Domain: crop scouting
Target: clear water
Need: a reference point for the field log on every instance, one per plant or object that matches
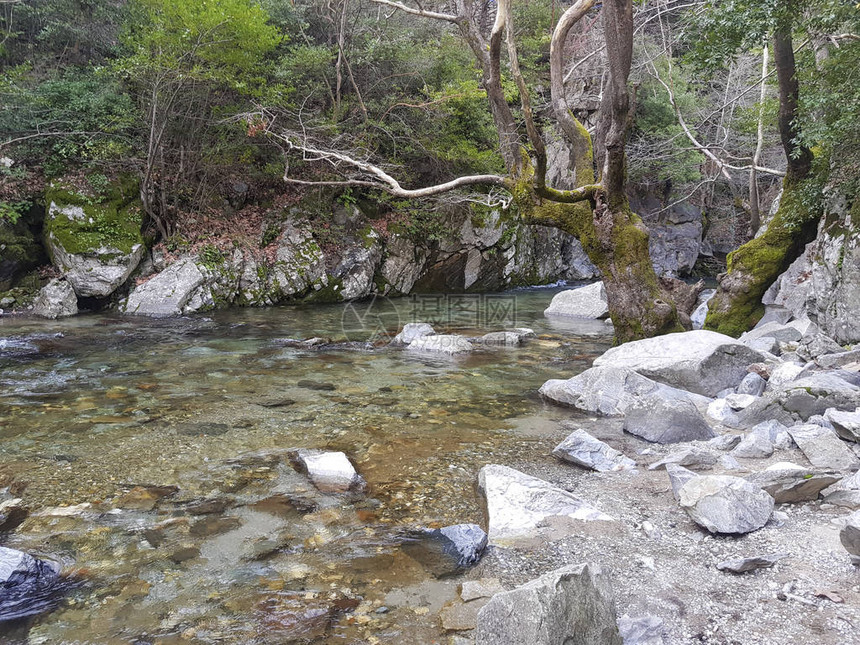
(94, 406)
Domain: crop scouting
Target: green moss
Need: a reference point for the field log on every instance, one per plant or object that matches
(113, 220)
(327, 294)
(754, 266)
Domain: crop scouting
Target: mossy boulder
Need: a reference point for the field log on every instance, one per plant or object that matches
(95, 242)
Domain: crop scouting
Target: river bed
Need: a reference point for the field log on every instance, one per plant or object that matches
(232, 544)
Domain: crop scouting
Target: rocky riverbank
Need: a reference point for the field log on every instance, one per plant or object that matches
(701, 489)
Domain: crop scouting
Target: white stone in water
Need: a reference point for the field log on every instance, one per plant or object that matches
(441, 344)
(413, 331)
(585, 302)
(523, 507)
(330, 472)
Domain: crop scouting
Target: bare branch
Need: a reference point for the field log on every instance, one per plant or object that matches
(420, 12)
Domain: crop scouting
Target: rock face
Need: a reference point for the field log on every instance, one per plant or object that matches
(95, 243)
(700, 361)
(823, 284)
(28, 584)
(56, 299)
(574, 604)
(725, 504)
(582, 449)
(823, 448)
(330, 472)
(523, 507)
(584, 302)
(610, 391)
(441, 344)
(448, 550)
(788, 483)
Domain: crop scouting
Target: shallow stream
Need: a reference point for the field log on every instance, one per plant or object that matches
(151, 456)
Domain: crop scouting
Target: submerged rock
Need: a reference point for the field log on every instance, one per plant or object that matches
(28, 585)
(703, 362)
(726, 504)
(56, 299)
(523, 507)
(585, 302)
(441, 344)
(582, 449)
(330, 472)
(574, 604)
(502, 339)
(448, 550)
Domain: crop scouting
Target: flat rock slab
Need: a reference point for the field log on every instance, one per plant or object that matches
(521, 507)
(585, 302)
(743, 565)
(441, 344)
(574, 604)
(823, 447)
(726, 504)
(788, 483)
(846, 424)
(611, 391)
(700, 361)
(582, 449)
(330, 472)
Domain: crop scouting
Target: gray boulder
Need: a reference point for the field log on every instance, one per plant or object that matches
(582, 449)
(691, 457)
(754, 445)
(752, 384)
(28, 584)
(523, 507)
(720, 411)
(171, 292)
(413, 331)
(678, 476)
(56, 299)
(803, 398)
(788, 483)
(839, 359)
(726, 504)
(846, 424)
(823, 448)
(611, 391)
(725, 442)
(776, 433)
(849, 535)
(441, 344)
(666, 416)
(501, 339)
(574, 604)
(585, 302)
(700, 361)
(783, 373)
(448, 550)
(780, 333)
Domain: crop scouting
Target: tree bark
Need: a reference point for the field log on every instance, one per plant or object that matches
(753, 267)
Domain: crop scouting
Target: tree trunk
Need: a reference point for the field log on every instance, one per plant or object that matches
(752, 268)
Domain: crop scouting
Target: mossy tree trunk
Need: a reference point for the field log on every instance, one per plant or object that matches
(755, 266)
